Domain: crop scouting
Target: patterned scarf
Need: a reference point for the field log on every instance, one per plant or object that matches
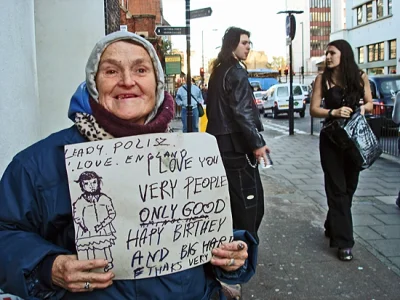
(103, 125)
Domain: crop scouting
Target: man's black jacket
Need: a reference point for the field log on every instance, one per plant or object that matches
(230, 105)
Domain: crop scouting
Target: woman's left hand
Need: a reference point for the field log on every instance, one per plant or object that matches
(230, 256)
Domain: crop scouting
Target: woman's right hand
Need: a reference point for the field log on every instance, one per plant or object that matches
(73, 275)
(343, 112)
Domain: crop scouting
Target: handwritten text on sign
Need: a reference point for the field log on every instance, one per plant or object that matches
(151, 204)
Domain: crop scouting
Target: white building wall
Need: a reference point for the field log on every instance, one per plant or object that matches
(19, 104)
(45, 46)
(378, 30)
(66, 32)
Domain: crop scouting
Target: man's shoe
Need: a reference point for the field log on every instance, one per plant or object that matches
(345, 254)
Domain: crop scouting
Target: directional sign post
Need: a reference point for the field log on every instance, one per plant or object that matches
(167, 30)
(199, 13)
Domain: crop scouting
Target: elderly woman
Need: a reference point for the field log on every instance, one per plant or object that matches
(123, 96)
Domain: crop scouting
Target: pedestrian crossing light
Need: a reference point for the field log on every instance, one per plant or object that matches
(286, 71)
(202, 72)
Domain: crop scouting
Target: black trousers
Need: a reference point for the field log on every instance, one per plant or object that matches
(341, 180)
(245, 191)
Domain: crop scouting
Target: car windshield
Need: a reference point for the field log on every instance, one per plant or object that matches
(389, 87)
(259, 95)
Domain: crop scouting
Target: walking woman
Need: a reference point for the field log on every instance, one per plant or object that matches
(341, 85)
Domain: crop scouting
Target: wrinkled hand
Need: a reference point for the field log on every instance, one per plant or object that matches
(230, 256)
(261, 153)
(71, 274)
(343, 112)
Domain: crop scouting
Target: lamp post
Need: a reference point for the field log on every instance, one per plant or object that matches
(202, 51)
(302, 51)
(290, 33)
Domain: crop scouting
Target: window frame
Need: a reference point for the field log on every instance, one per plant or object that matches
(359, 13)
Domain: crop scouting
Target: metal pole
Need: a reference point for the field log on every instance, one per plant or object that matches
(202, 49)
(302, 49)
(189, 111)
(291, 108)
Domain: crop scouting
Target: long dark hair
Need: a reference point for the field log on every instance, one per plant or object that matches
(230, 42)
(348, 76)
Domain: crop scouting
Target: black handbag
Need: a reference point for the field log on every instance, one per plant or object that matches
(364, 140)
(199, 105)
(356, 137)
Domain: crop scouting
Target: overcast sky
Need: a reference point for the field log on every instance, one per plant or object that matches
(257, 16)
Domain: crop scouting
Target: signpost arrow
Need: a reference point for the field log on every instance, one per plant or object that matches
(199, 13)
(167, 30)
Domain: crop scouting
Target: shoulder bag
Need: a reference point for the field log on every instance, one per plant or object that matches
(199, 105)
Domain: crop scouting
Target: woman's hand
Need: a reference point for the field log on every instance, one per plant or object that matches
(74, 275)
(231, 256)
(343, 112)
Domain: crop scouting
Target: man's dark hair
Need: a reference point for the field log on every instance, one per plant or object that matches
(348, 72)
(230, 41)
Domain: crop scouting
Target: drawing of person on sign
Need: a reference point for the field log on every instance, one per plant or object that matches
(94, 212)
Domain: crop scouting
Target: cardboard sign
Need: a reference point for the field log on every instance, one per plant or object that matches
(151, 205)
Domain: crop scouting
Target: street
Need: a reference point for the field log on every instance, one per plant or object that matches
(281, 123)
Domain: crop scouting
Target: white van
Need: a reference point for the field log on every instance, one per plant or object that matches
(276, 100)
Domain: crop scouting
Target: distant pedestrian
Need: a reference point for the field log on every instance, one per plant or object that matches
(234, 119)
(181, 100)
(342, 85)
(396, 119)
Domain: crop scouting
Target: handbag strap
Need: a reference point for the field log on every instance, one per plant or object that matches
(191, 95)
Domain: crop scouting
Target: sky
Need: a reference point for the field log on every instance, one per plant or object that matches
(260, 17)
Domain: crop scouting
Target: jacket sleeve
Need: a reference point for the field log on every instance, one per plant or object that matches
(241, 103)
(396, 109)
(23, 251)
(243, 274)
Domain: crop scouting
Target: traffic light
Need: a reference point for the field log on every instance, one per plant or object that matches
(202, 72)
(286, 71)
(302, 70)
(280, 72)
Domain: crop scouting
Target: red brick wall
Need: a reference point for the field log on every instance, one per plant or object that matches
(146, 7)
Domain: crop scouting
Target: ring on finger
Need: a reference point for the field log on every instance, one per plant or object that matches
(231, 262)
(87, 285)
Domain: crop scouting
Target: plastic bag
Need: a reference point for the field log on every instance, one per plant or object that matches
(365, 141)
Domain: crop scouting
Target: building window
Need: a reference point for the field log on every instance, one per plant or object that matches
(359, 15)
(379, 9)
(361, 55)
(389, 7)
(392, 49)
(375, 71)
(376, 52)
(369, 11)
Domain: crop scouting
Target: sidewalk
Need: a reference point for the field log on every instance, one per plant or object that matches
(295, 261)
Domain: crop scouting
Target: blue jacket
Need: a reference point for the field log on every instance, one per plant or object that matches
(36, 225)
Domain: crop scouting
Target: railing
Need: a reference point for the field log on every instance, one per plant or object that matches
(381, 124)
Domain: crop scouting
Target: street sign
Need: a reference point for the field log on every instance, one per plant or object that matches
(172, 64)
(168, 30)
(199, 13)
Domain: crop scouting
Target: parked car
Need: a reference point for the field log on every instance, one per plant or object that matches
(259, 100)
(384, 88)
(277, 100)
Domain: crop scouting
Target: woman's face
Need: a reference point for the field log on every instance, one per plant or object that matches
(126, 81)
(243, 48)
(332, 57)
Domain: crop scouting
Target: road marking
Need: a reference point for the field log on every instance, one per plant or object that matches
(282, 129)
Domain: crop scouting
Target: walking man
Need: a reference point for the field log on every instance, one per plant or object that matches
(233, 118)
(181, 100)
